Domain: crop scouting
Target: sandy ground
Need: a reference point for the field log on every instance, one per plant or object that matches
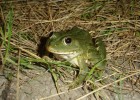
(40, 86)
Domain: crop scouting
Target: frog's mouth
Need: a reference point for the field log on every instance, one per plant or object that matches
(69, 56)
(61, 53)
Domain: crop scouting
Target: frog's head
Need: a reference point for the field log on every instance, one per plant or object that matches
(68, 42)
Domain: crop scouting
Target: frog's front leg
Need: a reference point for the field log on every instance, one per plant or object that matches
(83, 71)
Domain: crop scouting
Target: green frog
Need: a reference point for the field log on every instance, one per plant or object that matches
(77, 47)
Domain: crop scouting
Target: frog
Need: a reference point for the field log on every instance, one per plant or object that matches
(77, 46)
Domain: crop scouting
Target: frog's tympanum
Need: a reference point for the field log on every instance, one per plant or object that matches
(77, 47)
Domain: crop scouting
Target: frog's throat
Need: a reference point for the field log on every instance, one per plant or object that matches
(72, 58)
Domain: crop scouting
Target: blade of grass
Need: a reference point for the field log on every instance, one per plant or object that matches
(9, 33)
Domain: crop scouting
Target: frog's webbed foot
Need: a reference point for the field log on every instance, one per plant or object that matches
(83, 72)
(80, 78)
(78, 81)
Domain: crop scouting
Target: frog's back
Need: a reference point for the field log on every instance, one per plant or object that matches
(93, 52)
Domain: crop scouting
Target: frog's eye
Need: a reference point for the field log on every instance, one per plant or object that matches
(67, 40)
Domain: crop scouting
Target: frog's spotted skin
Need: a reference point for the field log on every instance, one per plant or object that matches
(77, 47)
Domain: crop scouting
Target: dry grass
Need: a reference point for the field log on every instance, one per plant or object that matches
(117, 21)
